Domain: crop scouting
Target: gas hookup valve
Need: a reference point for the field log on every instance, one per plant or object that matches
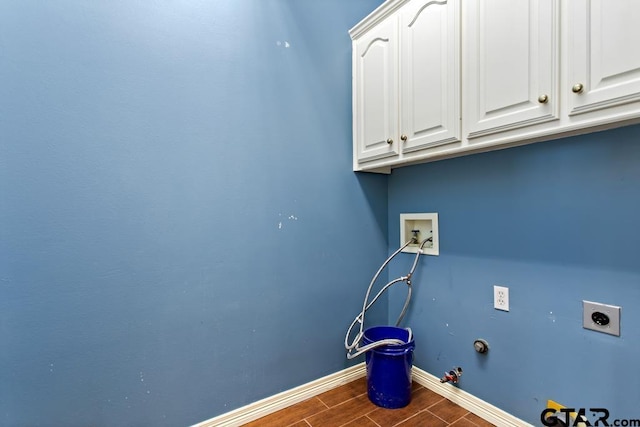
(452, 376)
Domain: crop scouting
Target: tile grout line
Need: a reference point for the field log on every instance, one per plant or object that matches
(458, 419)
(321, 401)
(413, 416)
(435, 403)
(370, 419)
(326, 408)
(313, 415)
(475, 424)
(445, 421)
(425, 409)
(367, 416)
(345, 401)
(339, 403)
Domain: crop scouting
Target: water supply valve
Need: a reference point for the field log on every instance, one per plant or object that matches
(452, 376)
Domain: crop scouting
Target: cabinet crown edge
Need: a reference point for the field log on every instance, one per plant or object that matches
(379, 14)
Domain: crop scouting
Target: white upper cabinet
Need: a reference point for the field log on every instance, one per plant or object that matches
(523, 71)
(510, 64)
(429, 74)
(603, 53)
(375, 95)
(406, 86)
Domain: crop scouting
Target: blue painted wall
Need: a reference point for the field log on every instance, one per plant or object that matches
(180, 231)
(555, 222)
(161, 166)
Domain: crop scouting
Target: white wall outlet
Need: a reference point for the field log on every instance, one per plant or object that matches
(424, 226)
(501, 298)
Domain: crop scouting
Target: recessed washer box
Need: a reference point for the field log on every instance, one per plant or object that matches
(424, 226)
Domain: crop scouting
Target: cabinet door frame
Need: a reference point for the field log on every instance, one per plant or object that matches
(376, 120)
(439, 45)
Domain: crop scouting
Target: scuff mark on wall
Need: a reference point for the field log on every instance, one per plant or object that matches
(290, 218)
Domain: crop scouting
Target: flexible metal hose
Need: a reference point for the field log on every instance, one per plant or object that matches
(353, 348)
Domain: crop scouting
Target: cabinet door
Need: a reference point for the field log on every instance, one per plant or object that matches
(429, 73)
(604, 57)
(510, 64)
(376, 92)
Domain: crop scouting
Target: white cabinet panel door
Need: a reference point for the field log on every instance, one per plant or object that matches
(429, 74)
(604, 54)
(376, 93)
(510, 64)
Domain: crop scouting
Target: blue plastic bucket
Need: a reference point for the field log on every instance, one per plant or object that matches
(389, 367)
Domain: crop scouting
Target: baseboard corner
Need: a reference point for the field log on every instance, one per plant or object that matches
(269, 405)
(468, 401)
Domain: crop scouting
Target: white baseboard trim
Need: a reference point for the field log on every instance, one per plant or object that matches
(468, 401)
(298, 394)
(285, 399)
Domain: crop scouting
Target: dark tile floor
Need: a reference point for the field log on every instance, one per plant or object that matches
(349, 406)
